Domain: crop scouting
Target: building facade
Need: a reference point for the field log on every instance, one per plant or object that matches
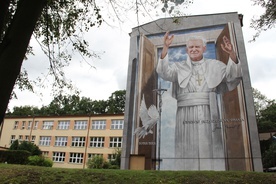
(68, 140)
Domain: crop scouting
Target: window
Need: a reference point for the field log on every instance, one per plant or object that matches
(78, 141)
(27, 138)
(20, 138)
(58, 156)
(12, 139)
(96, 142)
(80, 125)
(23, 125)
(99, 125)
(115, 142)
(45, 153)
(29, 125)
(35, 125)
(117, 124)
(15, 125)
(47, 125)
(45, 141)
(91, 155)
(76, 158)
(33, 139)
(111, 157)
(63, 125)
(61, 141)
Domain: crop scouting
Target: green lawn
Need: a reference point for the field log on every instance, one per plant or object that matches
(12, 174)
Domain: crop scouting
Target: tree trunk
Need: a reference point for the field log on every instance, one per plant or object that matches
(14, 46)
(4, 5)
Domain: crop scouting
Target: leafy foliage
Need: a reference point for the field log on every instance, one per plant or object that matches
(265, 111)
(116, 161)
(97, 162)
(269, 156)
(260, 102)
(40, 161)
(14, 156)
(116, 102)
(27, 146)
(75, 105)
(267, 19)
(267, 122)
(59, 27)
(62, 25)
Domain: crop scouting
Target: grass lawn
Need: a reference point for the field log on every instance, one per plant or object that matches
(12, 174)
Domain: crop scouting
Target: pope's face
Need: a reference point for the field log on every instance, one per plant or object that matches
(195, 49)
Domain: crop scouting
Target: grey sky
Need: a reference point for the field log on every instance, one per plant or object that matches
(111, 70)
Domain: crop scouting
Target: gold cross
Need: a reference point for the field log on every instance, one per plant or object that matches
(199, 79)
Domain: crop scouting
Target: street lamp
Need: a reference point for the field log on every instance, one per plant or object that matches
(159, 93)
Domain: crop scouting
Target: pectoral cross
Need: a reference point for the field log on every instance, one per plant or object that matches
(199, 79)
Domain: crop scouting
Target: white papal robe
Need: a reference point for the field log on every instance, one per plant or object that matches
(198, 143)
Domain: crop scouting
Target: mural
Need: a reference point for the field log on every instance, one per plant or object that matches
(186, 105)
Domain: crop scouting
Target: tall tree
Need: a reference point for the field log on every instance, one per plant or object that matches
(14, 44)
(56, 24)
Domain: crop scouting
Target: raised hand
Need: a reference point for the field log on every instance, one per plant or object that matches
(228, 48)
(168, 39)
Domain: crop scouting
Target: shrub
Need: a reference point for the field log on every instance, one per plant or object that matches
(39, 161)
(25, 145)
(14, 156)
(97, 162)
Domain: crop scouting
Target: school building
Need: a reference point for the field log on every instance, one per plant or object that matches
(68, 140)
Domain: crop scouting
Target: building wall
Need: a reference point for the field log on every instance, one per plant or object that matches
(57, 142)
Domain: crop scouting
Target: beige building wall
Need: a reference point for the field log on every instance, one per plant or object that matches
(46, 132)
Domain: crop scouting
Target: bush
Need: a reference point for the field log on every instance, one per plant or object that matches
(40, 161)
(97, 162)
(14, 156)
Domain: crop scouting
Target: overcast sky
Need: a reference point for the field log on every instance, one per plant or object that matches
(112, 43)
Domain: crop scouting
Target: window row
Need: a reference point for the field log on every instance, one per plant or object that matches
(22, 138)
(78, 125)
(96, 142)
(76, 158)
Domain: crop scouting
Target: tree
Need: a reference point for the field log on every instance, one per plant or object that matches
(269, 156)
(27, 146)
(267, 19)
(116, 102)
(267, 122)
(14, 145)
(55, 24)
(75, 105)
(15, 38)
(24, 111)
(265, 110)
(260, 102)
